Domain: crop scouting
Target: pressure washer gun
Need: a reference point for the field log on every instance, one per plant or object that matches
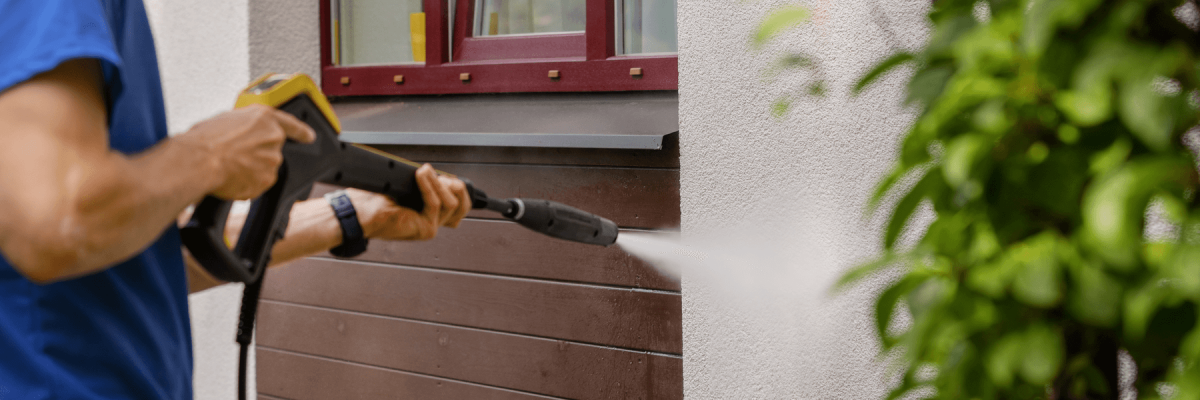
(330, 160)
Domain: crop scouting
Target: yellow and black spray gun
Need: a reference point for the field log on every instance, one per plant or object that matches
(330, 160)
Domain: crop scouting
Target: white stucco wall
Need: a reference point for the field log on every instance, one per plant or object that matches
(798, 184)
(204, 60)
(285, 37)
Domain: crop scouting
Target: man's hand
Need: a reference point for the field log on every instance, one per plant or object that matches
(446, 203)
(245, 147)
(313, 228)
(79, 206)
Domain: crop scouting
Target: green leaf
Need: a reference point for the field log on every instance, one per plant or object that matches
(1089, 101)
(928, 295)
(962, 155)
(884, 187)
(1191, 344)
(1114, 208)
(885, 307)
(1068, 134)
(1096, 297)
(948, 31)
(1139, 306)
(992, 279)
(778, 21)
(984, 243)
(1038, 280)
(991, 118)
(1003, 359)
(1146, 112)
(1184, 268)
(927, 85)
(856, 274)
(1043, 354)
(1108, 160)
(906, 206)
(1086, 108)
(882, 68)
(1045, 17)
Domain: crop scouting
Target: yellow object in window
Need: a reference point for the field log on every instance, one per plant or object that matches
(416, 24)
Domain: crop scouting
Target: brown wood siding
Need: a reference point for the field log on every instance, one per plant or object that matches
(609, 316)
(500, 247)
(320, 378)
(490, 310)
(531, 364)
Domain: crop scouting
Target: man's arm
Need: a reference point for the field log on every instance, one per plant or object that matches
(73, 206)
(313, 228)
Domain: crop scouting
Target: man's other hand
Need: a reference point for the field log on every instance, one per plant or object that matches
(246, 146)
(446, 203)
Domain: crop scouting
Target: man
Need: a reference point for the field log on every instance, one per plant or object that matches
(93, 283)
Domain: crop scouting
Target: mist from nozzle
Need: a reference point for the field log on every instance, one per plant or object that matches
(770, 296)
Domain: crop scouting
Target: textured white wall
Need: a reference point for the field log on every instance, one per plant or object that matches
(801, 182)
(285, 37)
(203, 57)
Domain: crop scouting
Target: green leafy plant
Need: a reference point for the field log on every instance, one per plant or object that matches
(1045, 132)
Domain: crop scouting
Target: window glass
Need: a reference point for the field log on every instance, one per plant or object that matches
(379, 31)
(516, 17)
(646, 26)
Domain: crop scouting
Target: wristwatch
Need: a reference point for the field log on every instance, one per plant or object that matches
(353, 242)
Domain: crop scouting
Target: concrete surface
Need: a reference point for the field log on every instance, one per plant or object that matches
(799, 183)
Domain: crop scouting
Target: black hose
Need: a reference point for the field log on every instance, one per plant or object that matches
(245, 333)
(244, 352)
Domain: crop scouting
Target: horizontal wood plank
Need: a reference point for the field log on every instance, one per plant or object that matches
(668, 157)
(591, 314)
(505, 248)
(630, 197)
(302, 377)
(545, 366)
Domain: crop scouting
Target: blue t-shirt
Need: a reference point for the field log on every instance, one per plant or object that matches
(122, 333)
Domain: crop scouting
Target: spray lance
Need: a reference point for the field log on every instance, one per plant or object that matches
(330, 160)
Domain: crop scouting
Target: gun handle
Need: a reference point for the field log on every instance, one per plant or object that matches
(370, 170)
(204, 235)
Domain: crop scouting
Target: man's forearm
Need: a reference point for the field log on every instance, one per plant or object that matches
(312, 228)
(115, 206)
(79, 206)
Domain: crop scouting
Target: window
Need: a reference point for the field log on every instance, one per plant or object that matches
(396, 47)
(646, 26)
(379, 32)
(504, 17)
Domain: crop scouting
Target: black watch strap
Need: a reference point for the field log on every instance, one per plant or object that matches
(353, 241)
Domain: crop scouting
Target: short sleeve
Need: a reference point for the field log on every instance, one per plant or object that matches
(38, 35)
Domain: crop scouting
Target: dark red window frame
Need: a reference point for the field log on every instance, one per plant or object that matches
(585, 62)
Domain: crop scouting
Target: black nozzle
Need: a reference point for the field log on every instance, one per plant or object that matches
(559, 220)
